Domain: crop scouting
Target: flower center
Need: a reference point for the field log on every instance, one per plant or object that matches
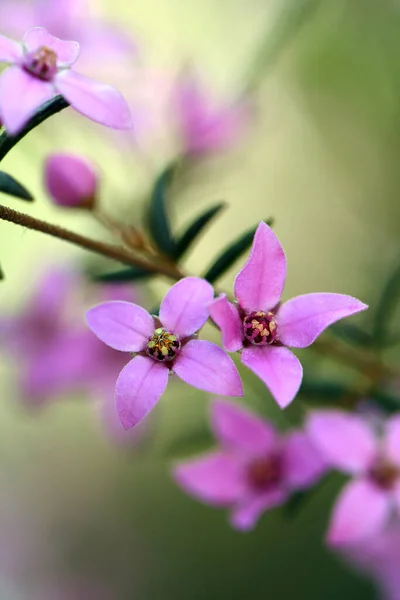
(384, 474)
(260, 328)
(42, 63)
(264, 473)
(163, 345)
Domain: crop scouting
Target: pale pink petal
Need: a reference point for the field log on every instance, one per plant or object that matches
(278, 368)
(10, 50)
(214, 478)
(303, 463)
(140, 385)
(97, 101)
(346, 440)
(359, 513)
(239, 429)
(301, 319)
(67, 52)
(226, 316)
(259, 284)
(70, 180)
(246, 514)
(184, 309)
(122, 325)
(392, 440)
(21, 95)
(205, 366)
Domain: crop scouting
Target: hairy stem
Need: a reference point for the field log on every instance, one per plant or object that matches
(109, 250)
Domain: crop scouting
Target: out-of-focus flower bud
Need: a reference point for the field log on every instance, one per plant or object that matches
(71, 181)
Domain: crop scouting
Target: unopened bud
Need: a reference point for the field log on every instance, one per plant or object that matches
(71, 181)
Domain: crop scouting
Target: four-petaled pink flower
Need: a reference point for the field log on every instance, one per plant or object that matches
(163, 345)
(254, 469)
(41, 68)
(263, 328)
(204, 127)
(350, 444)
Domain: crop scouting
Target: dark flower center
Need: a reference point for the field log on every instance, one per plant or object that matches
(384, 474)
(264, 473)
(42, 63)
(260, 328)
(163, 345)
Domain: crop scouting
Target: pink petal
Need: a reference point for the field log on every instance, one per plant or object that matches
(139, 387)
(360, 512)
(392, 440)
(345, 440)
(205, 366)
(214, 478)
(67, 52)
(303, 463)
(122, 325)
(303, 318)
(70, 180)
(21, 95)
(240, 429)
(184, 309)
(245, 516)
(259, 284)
(226, 316)
(97, 101)
(10, 50)
(278, 368)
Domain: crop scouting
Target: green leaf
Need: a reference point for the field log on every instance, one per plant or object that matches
(124, 275)
(158, 221)
(386, 307)
(10, 186)
(328, 390)
(1, 274)
(386, 399)
(352, 334)
(7, 142)
(193, 231)
(231, 254)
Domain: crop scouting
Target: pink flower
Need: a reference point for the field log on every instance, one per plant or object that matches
(253, 470)
(71, 181)
(350, 445)
(264, 328)
(41, 68)
(163, 345)
(204, 127)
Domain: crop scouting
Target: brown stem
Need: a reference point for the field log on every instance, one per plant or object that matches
(109, 250)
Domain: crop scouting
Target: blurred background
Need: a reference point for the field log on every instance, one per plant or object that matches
(87, 512)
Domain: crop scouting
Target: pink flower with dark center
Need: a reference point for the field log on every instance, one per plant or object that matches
(350, 445)
(71, 180)
(203, 126)
(254, 468)
(163, 345)
(263, 328)
(40, 69)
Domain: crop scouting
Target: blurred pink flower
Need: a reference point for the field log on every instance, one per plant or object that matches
(40, 68)
(254, 468)
(264, 328)
(57, 354)
(349, 444)
(103, 43)
(71, 181)
(163, 345)
(202, 126)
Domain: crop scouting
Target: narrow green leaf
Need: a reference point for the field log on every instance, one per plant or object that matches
(158, 220)
(193, 231)
(10, 186)
(231, 254)
(388, 400)
(50, 108)
(352, 334)
(1, 274)
(124, 275)
(328, 390)
(387, 305)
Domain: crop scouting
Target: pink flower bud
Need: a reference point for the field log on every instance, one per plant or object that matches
(71, 181)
